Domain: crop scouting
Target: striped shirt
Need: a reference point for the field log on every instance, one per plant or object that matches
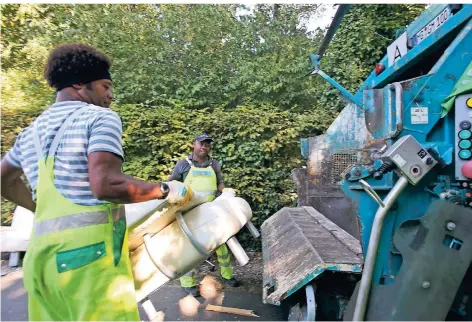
(95, 129)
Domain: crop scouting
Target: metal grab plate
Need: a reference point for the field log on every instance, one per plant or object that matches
(298, 245)
(431, 273)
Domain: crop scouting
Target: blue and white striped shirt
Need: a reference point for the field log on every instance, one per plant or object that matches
(95, 129)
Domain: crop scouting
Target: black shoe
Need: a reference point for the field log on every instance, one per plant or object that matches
(192, 290)
(231, 282)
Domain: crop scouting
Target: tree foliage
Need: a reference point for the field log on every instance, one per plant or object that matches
(183, 69)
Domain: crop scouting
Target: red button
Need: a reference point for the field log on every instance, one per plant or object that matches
(467, 169)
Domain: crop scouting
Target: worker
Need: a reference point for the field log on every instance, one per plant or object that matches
(76, 265)
(203, 174)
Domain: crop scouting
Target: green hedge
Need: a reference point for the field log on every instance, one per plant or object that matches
(258, 147)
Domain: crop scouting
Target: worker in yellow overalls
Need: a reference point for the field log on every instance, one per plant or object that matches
(76, 266)
(203, 174)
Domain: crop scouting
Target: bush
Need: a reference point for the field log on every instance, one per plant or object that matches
(258, 146)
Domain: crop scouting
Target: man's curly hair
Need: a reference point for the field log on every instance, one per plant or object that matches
(75, 64)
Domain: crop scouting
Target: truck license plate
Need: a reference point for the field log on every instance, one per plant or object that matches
(433, 25)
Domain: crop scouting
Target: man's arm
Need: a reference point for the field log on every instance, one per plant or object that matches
(105, 156)
(177, 173)
(109, 183)
(13, 188)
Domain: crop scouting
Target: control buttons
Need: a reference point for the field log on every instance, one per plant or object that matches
(465, 144)
(469, 102)
(465, 125)
(465, 134)
(465, 154)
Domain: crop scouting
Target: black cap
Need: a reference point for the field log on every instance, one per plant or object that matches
(203, 137)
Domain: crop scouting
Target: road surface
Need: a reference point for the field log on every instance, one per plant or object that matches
(170, 299)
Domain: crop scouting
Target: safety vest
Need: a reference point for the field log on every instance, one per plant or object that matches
(77, 264)
(202, 180)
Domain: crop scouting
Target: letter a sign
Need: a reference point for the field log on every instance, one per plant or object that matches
(397, 49)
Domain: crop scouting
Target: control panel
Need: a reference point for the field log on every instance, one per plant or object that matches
(463, 133)
(413, 161)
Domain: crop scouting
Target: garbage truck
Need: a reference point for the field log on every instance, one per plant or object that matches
(383, 225)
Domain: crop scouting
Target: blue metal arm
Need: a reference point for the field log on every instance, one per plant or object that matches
(344, 92)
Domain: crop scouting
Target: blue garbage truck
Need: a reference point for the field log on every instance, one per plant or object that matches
(383, 226)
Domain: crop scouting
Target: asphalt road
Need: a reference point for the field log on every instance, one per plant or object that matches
(170, 299)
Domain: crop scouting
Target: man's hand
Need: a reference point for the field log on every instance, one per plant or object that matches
(179, 193)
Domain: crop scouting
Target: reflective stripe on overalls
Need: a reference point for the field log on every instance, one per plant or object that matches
(204, 180)
(77, 264)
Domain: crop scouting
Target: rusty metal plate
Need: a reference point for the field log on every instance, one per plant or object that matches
(299, 244)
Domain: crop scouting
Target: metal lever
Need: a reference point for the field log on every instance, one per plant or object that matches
(397, 87)
(371, 192)
(371, 256)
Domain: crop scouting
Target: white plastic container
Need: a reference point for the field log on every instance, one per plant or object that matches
(15, 238)
(152, 216)
(184, 244)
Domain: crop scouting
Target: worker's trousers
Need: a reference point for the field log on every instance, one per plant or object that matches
(226, 270)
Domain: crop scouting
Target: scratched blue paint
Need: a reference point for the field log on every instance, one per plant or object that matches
(432, 89)
(426, 91)
(357, 268)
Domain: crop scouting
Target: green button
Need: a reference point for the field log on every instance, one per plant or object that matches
(465, 154)
(465, 134)
(465, 144)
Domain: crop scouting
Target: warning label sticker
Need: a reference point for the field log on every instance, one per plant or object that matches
(419, 115)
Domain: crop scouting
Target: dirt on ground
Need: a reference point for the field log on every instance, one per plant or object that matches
(249, 275)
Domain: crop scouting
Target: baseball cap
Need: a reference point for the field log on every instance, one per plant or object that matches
(203, 137)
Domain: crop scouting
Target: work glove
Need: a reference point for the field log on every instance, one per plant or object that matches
(179, 193)
(229, 191)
